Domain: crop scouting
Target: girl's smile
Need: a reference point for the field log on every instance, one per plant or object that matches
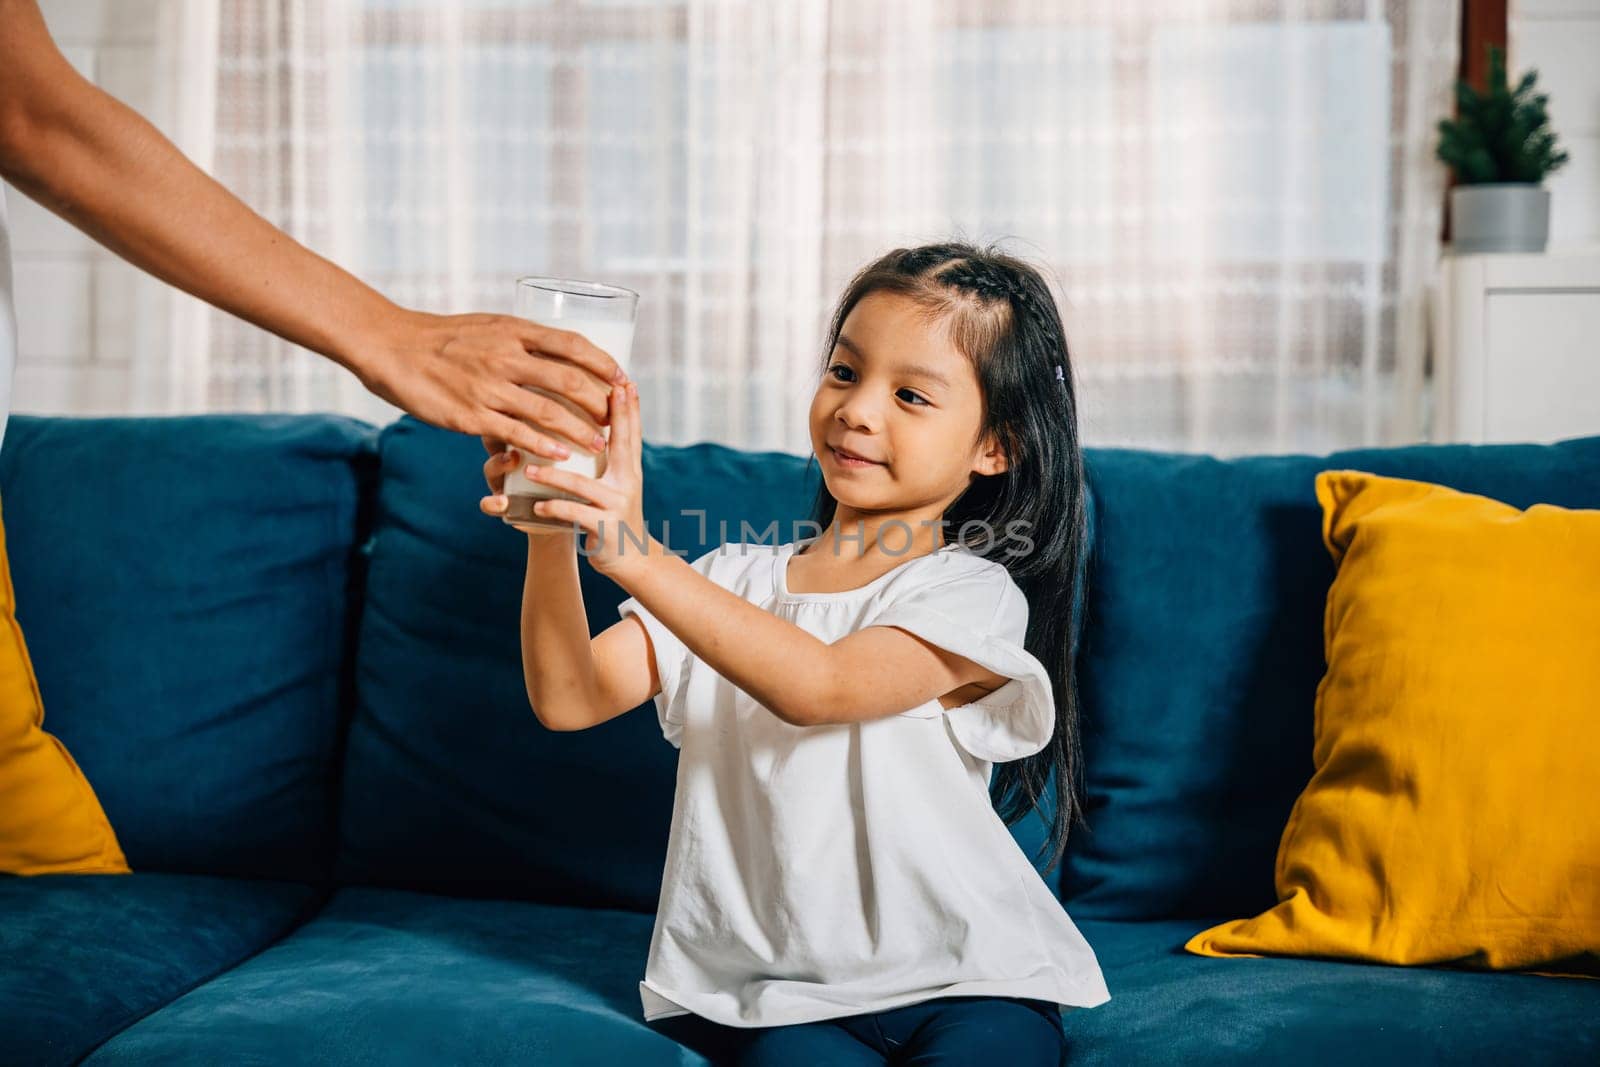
(851, 462)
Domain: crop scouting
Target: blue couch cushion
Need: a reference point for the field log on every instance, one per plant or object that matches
(1203, 650)
(183, 584)
(398, 977)
(83, 956)
(1169, 1006)
(393, 977)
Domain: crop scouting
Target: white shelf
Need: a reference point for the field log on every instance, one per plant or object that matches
(1517, 346)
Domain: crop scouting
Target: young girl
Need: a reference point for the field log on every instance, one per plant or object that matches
(840, 884)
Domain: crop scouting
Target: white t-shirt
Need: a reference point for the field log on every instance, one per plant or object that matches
(8, 321)
(817, 872)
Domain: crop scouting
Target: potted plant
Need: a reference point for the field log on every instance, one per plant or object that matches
(1500, 151)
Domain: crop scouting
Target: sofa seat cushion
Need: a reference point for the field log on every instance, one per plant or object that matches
(1170, 1006)
(397, 977)
(83, 956)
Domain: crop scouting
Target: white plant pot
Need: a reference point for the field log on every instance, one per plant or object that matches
(1499, 217)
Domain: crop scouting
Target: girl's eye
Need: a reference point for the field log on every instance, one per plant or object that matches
(847, 370)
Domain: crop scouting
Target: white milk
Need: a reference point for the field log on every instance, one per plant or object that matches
(616, 340)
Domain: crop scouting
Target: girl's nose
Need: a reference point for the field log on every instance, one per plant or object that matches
(856, 415)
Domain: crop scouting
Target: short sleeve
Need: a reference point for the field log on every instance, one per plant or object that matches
(672, 657)
(983, 616)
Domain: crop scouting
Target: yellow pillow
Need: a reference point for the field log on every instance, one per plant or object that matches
(1452, 816)
(50, 820)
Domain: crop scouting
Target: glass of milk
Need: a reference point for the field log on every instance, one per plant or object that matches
(605, 315)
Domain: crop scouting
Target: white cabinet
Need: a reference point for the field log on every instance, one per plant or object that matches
(1516, 344)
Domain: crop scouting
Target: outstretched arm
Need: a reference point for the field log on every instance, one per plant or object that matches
(574, 683)
(100, 165)
(803, 680)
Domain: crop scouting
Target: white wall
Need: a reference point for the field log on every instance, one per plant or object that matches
(1561, 40)
(80, 307)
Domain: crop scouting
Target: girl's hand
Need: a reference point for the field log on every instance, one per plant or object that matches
(615, 521)
(500, 463)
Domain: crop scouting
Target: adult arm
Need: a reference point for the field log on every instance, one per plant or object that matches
(94, 161)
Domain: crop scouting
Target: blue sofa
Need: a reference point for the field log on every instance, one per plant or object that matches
(284, 649)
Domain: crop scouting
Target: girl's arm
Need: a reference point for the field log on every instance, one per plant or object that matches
(800, 678)
(558, 664)
(575, 683)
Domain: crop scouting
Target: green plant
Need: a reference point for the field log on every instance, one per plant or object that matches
(1499, 136)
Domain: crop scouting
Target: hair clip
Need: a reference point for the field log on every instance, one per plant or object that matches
(1060, 375)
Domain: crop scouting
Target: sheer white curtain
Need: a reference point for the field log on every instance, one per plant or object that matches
(1237, 201)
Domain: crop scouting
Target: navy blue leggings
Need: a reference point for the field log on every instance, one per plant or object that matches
(946, 1030)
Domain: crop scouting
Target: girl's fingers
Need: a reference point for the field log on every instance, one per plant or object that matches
(621, 422)
(570, 511)
(493, 505)
(623, 450)
(635, 429)
(497, 466)
(500, 462)
(586, 487)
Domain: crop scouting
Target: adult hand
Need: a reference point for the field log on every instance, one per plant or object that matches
(466, 372)
(103, 167)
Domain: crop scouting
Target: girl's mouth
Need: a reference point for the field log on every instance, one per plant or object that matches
(850, 462)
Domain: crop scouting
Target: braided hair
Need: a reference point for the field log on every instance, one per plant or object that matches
(1003, 318)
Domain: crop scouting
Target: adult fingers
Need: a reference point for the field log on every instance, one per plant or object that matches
(552, 416)
(573, 384)
(571, 346)
(520, 436)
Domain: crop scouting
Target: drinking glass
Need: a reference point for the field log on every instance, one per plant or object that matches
(605, 314)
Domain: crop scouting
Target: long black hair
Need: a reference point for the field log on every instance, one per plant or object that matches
(1002, 317)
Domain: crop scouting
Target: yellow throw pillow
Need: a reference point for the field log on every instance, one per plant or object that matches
(1452, 816)
(50, 820)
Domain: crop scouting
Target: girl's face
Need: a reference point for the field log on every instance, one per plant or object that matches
(897, 391)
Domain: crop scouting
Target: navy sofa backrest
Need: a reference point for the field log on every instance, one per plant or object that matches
(184, 587)
(1202, 652)
(189, 588)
